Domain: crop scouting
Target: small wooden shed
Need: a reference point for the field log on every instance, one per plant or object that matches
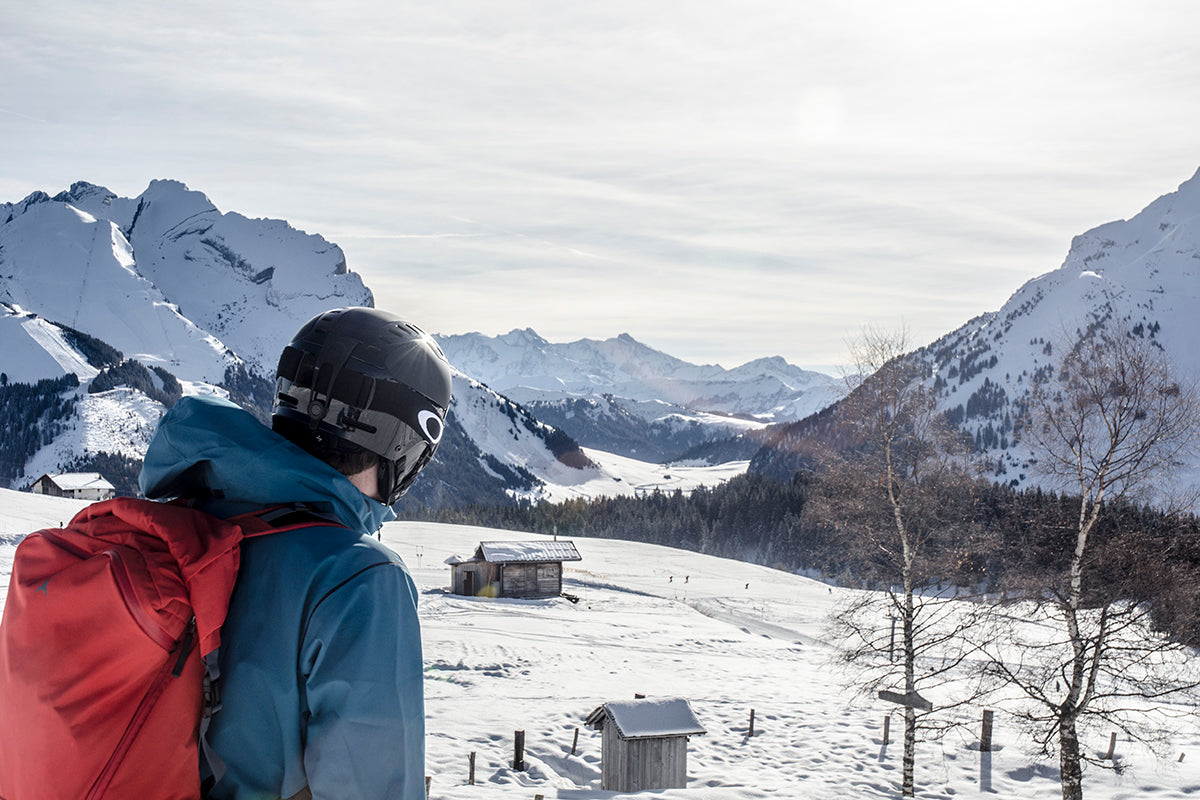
(644, 743)
(512, 569)
(78, 485)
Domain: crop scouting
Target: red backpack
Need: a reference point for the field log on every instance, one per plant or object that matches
(102, 685)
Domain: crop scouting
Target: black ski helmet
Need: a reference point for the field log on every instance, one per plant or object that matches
(363, 378)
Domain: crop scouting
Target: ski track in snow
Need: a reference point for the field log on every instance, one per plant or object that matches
(665, 622)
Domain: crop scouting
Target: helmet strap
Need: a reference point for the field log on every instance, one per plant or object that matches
(340, 351)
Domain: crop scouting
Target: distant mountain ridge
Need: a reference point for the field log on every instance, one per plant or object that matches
(625, 397)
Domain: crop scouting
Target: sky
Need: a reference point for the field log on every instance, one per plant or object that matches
(722, 179)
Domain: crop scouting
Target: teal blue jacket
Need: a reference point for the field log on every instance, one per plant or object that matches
(320, 659)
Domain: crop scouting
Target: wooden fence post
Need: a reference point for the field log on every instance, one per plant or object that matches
(428, 780)
(519, 751)
(887, 727)
(752, 722)
(471, 773)
(1112, 746)
(575, 741)
(985, 736)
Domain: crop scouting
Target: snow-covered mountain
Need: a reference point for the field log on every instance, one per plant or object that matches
(168, 279)
(203, 301)
(1139, 276)
(622, 396)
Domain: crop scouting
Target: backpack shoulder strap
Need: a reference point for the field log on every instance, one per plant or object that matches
(278, 519)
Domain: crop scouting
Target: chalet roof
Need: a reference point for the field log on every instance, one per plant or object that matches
(74, 481)
(648, 718)
(512, 552)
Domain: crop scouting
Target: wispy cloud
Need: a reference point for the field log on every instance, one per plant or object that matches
(729, 181)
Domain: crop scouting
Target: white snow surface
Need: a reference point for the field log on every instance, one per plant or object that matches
(34, 349)
(619, 476)
(726, 636)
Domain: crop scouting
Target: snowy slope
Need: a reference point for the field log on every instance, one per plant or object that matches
(34, 349)
(250, 283)
(1140, 275)
(72, 268)
(724, 635)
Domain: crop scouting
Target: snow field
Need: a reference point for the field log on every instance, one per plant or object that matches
(727, 636)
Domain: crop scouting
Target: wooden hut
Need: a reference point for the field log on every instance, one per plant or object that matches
(77, 485)
(644, 743)
(512, 569)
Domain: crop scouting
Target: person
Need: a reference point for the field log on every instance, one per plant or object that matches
(319, 674)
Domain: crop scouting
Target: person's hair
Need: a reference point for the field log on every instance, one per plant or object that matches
(346, 458)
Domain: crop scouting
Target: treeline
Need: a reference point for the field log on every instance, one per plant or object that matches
(1003, 542)
(135, 375)
(31, 415)
(120, 470)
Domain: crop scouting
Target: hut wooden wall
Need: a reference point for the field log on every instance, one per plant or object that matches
(508, 580)
(642, 764)
(532, 580)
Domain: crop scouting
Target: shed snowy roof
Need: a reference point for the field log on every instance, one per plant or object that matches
(74, 481)
(510, 552)
(649, 718)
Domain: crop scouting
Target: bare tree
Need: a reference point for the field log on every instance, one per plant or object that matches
(890, 488)
(1113, 425)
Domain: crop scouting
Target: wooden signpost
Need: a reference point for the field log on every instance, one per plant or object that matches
(913, 700)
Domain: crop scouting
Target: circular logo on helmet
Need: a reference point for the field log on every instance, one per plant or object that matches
(431, 425)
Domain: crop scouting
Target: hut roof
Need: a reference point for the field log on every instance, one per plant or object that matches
(649, 718)
(513, 552)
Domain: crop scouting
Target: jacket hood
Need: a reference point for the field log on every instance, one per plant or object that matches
(210, 449)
